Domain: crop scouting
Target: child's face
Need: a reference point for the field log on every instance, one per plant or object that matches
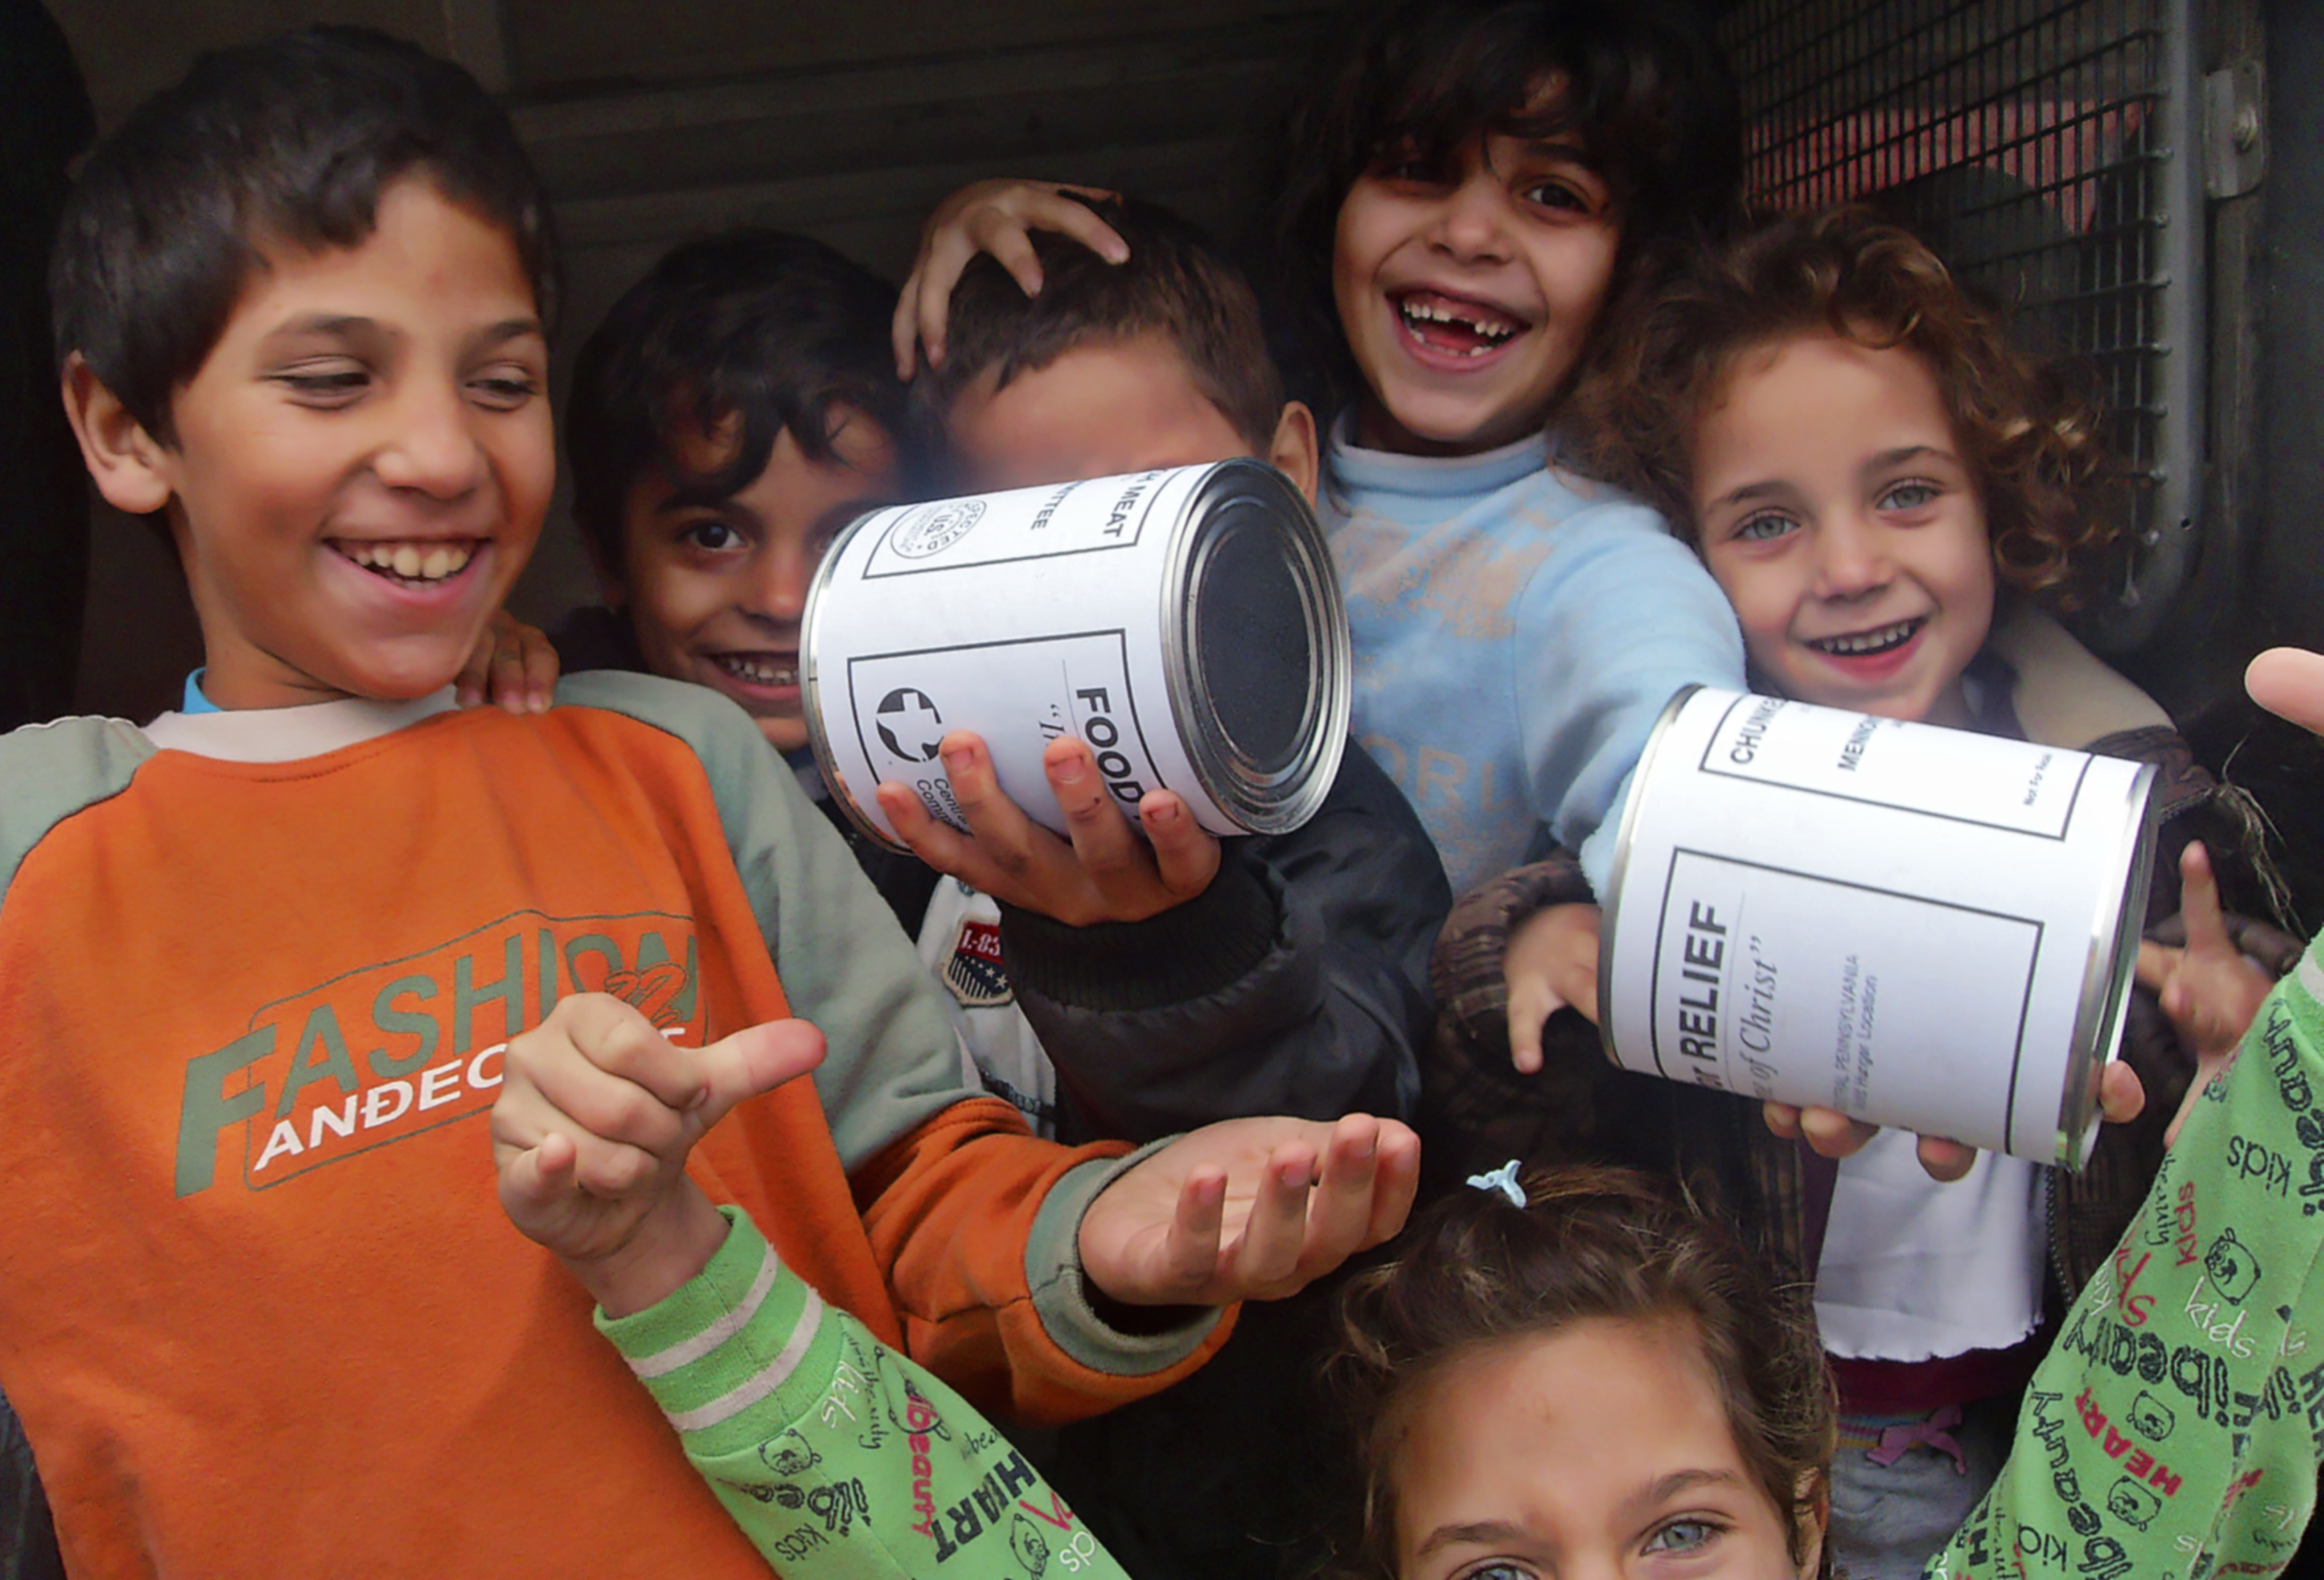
(1600, 1449)
(715, 590)
(1467, 295)
(1839, 518)
(363, 460)
(1103, 409)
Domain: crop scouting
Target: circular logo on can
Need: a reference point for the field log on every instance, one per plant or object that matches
(910, 725)
(933, 528)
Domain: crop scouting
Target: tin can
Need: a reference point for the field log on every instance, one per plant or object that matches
(1187, 623)
(1920, 927)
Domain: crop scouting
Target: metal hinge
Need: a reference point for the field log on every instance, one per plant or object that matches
(2234, 128)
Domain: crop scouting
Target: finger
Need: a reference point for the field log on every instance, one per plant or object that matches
(2156, 963)
(904, 328)
(2198, 901)
(541, 667)
(1186, 854)
(2121, 1095)
(1832, 1133)
(939, 271)
(1266, 1254)
(755, 1060)
(1531, 1004)
(1028, 864)
(508, 679)
(538, 1176)
(2289, 682)
(598, 1105)
(1340, 1212)
(1782, 1118)
(615, 1040)
(1396, 1181)
(1189, 1258)
(1111, 853)
(1011, 246)
(1084, 224)
(1944, 1160)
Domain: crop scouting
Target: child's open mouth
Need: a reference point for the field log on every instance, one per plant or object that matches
(767, 669)
(1870, 644)
(1455, 325)
(411, 565)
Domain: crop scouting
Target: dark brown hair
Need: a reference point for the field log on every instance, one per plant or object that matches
(1175, 284)
(766, 329)
(2029, 441)
(1477, 1270)
(290, 141)
(1642, 88)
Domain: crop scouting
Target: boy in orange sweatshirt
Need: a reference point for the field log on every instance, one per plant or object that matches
(262, 960)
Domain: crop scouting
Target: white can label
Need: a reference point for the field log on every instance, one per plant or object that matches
(1077, 684)
(1907, 923)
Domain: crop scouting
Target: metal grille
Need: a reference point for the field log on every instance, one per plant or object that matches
(2030, 143)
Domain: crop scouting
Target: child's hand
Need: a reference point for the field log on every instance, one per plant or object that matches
(592, 1129)
(2288, 682)
(1550, 964)
(1226, 1213)
(2209, 989)
(999, 218)
(1106, 874)
(1832, 1133)
(515, 662)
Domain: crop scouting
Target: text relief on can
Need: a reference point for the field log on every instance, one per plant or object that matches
(1920, 927)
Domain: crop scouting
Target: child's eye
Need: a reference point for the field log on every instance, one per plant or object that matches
(505, 392)
(1559, 195)
(1911, 496)
(1684, 1536)
(1763, 527)
(710, 534)
(1497, 1569)
(333, 384)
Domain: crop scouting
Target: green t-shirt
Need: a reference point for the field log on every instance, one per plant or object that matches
(2176, 1426)
(840, 1458)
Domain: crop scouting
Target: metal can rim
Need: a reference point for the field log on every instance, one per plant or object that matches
(1283, 800)
(1609, 904)
(811, 683)
(2105, 998)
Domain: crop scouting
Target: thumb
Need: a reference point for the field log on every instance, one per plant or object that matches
(757, 1059)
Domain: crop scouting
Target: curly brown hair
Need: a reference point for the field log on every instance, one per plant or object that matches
(2029, 439)
(1477, 1270)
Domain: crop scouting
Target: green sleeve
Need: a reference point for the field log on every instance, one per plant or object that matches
(837, 1457)
(2176, 1426)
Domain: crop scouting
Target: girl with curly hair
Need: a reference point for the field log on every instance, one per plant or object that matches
(1889, 493)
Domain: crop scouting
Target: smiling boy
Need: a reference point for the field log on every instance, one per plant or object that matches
(266, 962)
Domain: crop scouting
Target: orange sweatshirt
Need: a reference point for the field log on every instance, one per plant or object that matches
(259, 1308)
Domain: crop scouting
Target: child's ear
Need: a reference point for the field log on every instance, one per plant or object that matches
(131, 468)
(1294, 449)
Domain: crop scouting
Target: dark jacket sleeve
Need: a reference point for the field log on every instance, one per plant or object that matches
(1298, 983)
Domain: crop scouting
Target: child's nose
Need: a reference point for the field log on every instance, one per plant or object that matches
(434, 449)
(1473, 221)
(778, 590)
(1853, 560)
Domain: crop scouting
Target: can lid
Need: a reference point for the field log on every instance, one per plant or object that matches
(1261, 659)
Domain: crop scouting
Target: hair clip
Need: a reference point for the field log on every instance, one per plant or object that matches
(1503, 1179)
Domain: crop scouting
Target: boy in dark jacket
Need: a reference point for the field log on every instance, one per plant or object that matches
(1271, 973)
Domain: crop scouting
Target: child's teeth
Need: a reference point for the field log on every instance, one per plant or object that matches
(414, 562)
